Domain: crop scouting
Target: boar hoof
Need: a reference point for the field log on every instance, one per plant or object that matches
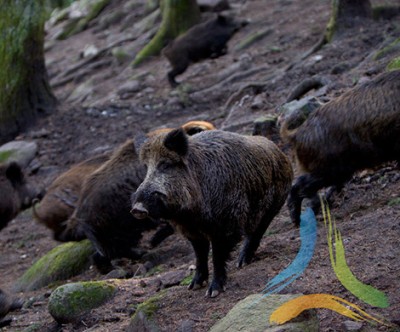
(214, 292)
(196, 285)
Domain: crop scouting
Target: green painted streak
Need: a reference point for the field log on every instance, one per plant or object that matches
(364, 292)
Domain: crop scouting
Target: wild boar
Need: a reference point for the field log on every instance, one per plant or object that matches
(214, 187)
(358, 130)
(62, 196)
(7, 304)
(202, 41)
(103, 210)
(16, 193)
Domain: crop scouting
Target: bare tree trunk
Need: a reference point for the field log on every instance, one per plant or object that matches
(178, 16)
(25, 91)
(347, 14)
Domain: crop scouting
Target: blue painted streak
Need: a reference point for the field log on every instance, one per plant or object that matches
(308, 237)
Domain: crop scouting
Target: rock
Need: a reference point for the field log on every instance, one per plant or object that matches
(252, 315)
(350, 325)
(143, 319)
(172, 278)
(186, 326)
(61, 263)
(297, 111)
(89, 51)
(22, 152)
(68, 303)
(129, 87)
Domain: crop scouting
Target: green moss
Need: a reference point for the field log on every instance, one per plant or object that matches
(150, 306)
(70, 301)
(394, 64)
(392, 47)
(178, 16)
(394, 201)
(155, 270)
(21, 24)
(61, 263)
(5, 155)
(186, 281)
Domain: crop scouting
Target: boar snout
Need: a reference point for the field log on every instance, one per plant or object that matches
(139, 211)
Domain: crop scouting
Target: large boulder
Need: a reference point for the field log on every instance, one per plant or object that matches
(252, 315)
(70, 302)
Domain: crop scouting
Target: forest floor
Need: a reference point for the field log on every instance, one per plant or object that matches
(98, 110)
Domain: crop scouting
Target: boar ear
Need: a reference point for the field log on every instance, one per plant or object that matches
(177, 141)
(14, 173)
(139, 140)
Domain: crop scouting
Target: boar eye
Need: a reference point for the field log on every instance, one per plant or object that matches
(165, 165)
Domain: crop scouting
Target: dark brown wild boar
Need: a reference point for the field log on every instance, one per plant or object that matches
(214, 187)
(16, 193)
(357, 130)
(202, 41)
(103, 210)
(7, 304)
(62, 196)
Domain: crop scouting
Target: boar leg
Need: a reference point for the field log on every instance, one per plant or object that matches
(306, 186)
(252, 241)
(316, 202)
(161, 234)
(201, 248)
(177, 69)
(221, 249)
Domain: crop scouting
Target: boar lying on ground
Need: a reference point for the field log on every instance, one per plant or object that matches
(62, 196)
(202, 41)
(358, 130)
(103, 210)
(16, 193)
(214, 187)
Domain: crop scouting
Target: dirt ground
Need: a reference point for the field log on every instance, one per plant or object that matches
(231, 91)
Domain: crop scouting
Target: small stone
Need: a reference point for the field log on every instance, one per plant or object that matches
(351, 325)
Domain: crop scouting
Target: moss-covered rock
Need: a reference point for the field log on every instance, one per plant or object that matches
(70, 302)
(143, 319)
(20, 151)
(61, 263)
(252, 315)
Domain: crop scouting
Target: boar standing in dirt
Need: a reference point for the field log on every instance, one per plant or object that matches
(16, 193)
(202, 41)
(214, 187)
(103, 210)
(358, 130)
(62, 196)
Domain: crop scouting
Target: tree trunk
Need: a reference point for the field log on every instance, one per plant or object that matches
(347, 14)
(178, 16)
(25, 91)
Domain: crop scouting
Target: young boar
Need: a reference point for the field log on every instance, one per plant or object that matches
(214, 187)
(357, 130)
(62, 196)
(16, 193)
(103, 210)
(202, 41)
